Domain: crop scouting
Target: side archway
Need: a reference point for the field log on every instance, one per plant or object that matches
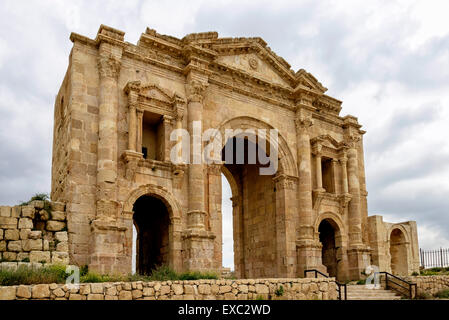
(399, 256)
(329, 231)
(156, 216)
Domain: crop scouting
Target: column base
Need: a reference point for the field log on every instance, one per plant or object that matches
(108, 252)
(309, 256)
(198, 250)
(359, 258)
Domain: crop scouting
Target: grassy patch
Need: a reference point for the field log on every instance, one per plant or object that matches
(56, 274)
(28, 275)
(434, 272)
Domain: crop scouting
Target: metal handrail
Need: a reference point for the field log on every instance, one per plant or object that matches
(339, 284)
(409, 285)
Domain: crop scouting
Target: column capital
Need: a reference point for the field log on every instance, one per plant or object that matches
(317, 149)
(196, 90)
(303, 119)
(108, 66)
(284, 181)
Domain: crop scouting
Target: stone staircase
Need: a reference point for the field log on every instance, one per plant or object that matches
(360, 292)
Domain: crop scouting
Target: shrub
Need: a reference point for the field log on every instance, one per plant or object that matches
(415, 273)
(279, 292)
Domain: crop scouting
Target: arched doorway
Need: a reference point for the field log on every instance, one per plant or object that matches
(151, 220)
(253, 209)
(398, 252)
(327, 234)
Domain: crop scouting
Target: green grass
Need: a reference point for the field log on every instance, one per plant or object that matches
(444, 294)
(56, 274)
(28, 275)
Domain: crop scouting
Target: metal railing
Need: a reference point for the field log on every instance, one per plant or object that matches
(340, 286)
(434, 258)
(401, 283)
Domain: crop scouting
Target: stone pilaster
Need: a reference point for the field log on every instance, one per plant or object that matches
(107, 233)
(286, 209)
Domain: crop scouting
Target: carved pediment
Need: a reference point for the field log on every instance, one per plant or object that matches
(254, 65)
(155, 98)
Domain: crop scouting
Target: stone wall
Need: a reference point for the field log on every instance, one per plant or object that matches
(298, 289)
(34, 233)
(430, 284)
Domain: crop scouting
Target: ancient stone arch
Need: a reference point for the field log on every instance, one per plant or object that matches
(113, 145)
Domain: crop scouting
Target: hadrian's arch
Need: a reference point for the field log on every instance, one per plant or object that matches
(113, 167)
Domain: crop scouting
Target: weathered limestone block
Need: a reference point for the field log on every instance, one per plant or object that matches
(136, 294)
(25, 223)
(62, 246)
(40, 291)
(38, 204)
(59, 292)
(125, 295)
(165, 290)
(204, 289)
(58, 215)
(12, 234)
(15, 246)
(9, 256)
(60, 257)
(44, 215)
(95, 296)
(112, 291)
(148, 292)
(24, 233)
(28, 212)
(61, 236)
(5, 211)
(22, 256)
(76, 296)
(55, 225)
(96, 288)
(34, 235)
(8, 223)
(225, 289)
(40, 256)
(29, 245)
(57, 206)
(8, 293)
(24, 292)
(1, 234)
(261, 289)
(178, 289)
(16, 211)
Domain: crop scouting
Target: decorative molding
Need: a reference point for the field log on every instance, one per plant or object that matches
(285, 182)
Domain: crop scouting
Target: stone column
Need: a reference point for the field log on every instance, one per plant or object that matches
(139, 130)
(307, 248)
(168, 125)
(319, 172)
(195, 91)
(198, 241)
(355, 218)
(334, 175)
(344, 174)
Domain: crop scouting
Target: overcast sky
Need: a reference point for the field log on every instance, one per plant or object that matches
(388, 61)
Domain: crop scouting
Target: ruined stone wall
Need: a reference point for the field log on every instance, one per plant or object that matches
(293, 289)
(430, 284)
(33, 234)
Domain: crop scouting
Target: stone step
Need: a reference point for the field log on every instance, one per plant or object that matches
(360, 292)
